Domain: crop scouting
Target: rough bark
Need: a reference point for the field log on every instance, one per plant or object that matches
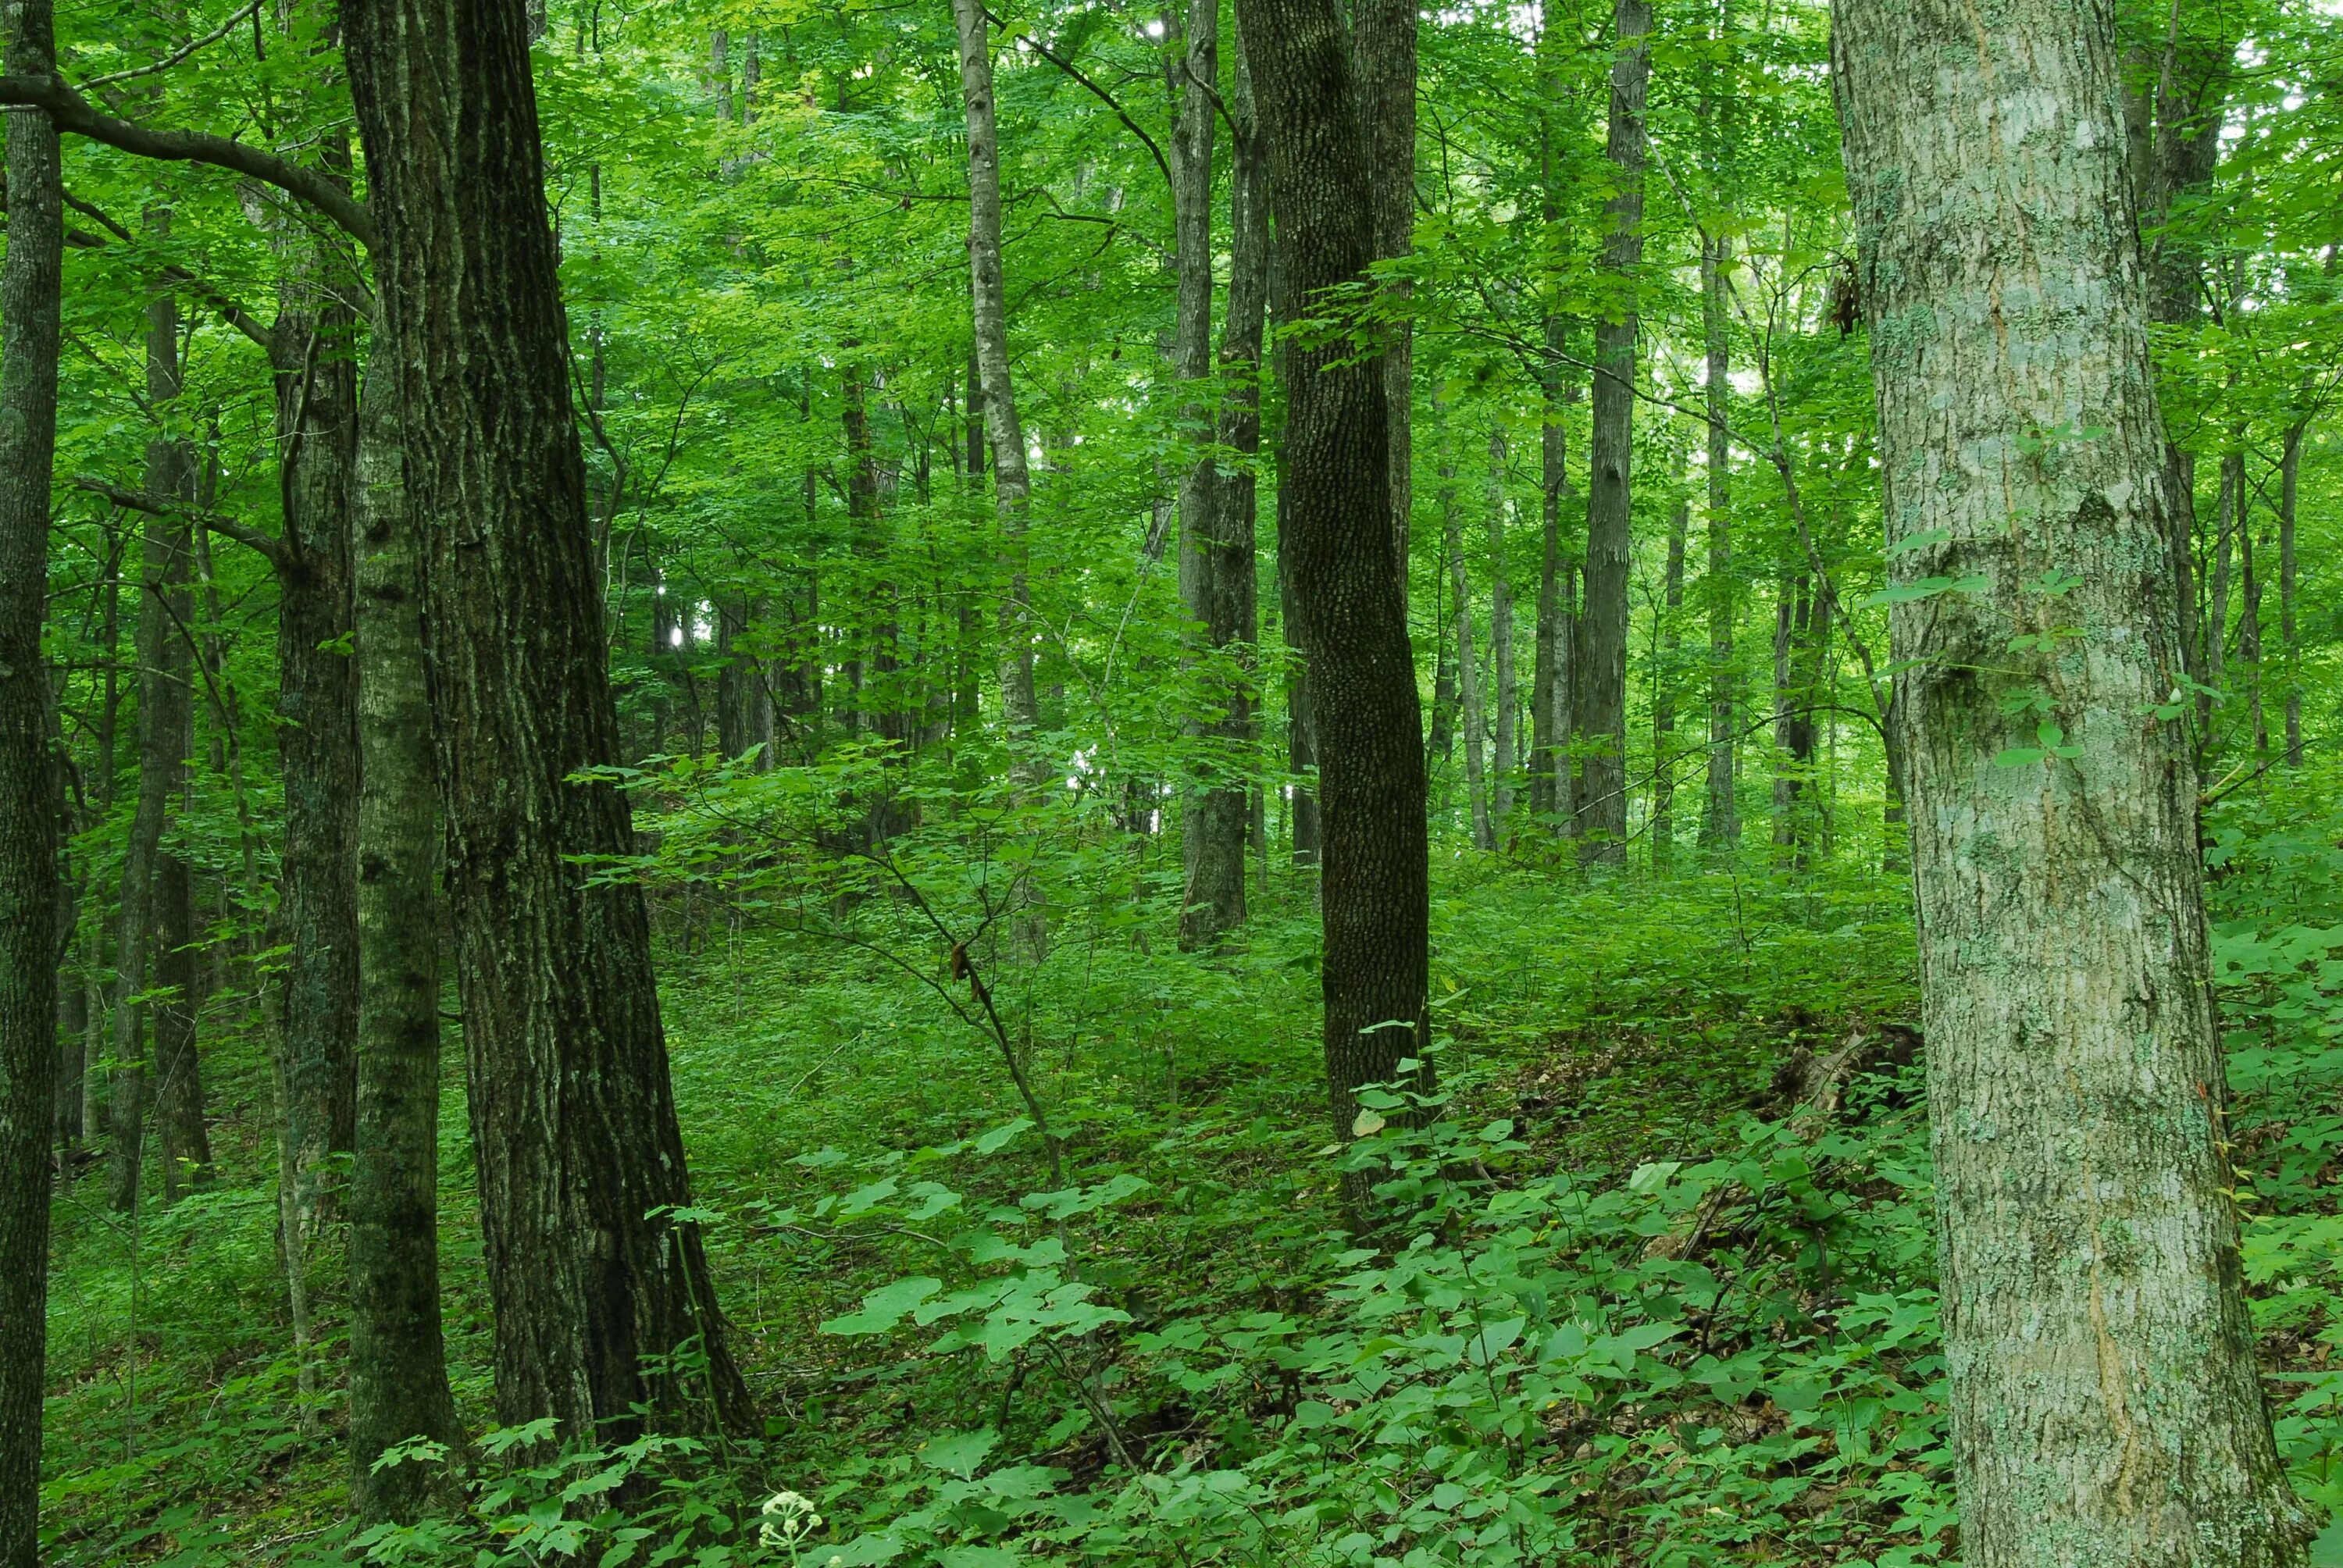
(30, 802)
(398, 1365)
(1720, 817)
(581, 1162)
(1601, 661)
(1383, 39)
(1506, 735)
(1012, 488)
(1340, 551)
(2103, 1394)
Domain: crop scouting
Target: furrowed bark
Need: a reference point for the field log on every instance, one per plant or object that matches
(581, 1160)
(30, 802)
(2105, 1411)
(1340, 554)
(1384, 52)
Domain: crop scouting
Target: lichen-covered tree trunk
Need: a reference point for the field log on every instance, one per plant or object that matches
(398, 1363)
(1600, 664)
(1340, 555)
(2104, 1408)
(30, 800)
(603, 1298)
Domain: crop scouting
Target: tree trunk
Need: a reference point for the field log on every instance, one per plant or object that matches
(581, 1162)
(1801, 620)
(1011, 487)
(1301, 728)
(2249, 626)
(1384, 37)
(1468, 671)
(1664, 682)
(30, 802)
(744, 711)
(2213, 635)
(165, 703)
(1340, 552)
(1720, 820)
(2289, 473)
(2104, 1406)
(317, 705)
(1212, 838)
(1600, 665)
(1551, 795)
(398, 1363)
(179, 1129)
(1507, 733)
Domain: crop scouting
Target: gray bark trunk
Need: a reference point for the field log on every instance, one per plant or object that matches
(2289, 473)
(30, 800)
(1011, 487)
(1600, 665)
(2105, 1411)
(399, 1365)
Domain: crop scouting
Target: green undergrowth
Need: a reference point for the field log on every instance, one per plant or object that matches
(1630, 1301)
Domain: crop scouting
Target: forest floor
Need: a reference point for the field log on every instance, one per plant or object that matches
(1667, 1298)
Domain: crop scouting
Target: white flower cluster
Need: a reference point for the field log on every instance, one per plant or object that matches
(790, 1518)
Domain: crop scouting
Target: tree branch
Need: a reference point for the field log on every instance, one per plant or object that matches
(1100, 94)
(69, 111)
(162, 507)
(230, 311)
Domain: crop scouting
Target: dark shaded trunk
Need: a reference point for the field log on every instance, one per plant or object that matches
(1601, 661)
(398, 1365)
(1383, 53)
(1340, 554)
(166, 720)
(1301, 729)
(314, 357)
(744, 709)
(176, 988)
(2104, 1399)
(1801, 625)
(603, 1300)
(30, 802)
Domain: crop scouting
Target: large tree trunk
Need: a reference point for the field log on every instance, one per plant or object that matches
(1506, 734)
(30, 803)
(1383, 40)
(398, 1363)
(1340, 552)
(1600, 665)
(582, 1162)
(2104, 1408)
(1720, 818)
(1012, 488)
(1551, 797)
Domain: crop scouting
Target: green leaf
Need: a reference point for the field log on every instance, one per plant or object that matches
(883, 1307)
(958, 1452)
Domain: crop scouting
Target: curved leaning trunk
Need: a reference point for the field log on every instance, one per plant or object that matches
(2104, 1407)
